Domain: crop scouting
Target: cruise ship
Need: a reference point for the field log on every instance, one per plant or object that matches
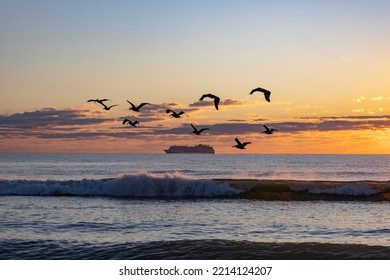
(197, 149)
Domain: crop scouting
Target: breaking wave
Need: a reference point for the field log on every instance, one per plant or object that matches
(138, 185)
(177, 185)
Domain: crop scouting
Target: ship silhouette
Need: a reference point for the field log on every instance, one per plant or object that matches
(197, 149)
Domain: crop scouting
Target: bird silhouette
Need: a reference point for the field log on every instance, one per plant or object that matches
(212, 96)
(198, 132)
(134, 124)
(98, 100)
(101, 102)
(240, 145)
(136, 108)
(266, 92)
(269, 130)
(105, 107)
(174, 114)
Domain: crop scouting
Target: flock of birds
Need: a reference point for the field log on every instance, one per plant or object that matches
(216, 99)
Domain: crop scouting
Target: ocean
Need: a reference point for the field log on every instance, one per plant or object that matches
(186, 206)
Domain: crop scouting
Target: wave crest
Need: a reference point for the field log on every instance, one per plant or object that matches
(128, 185)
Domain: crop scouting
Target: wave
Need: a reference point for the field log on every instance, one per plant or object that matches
(216, 249)
(308, 190)
(177, 185)
(137, 185)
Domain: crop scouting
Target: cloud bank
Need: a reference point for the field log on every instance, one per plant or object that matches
(50, 123)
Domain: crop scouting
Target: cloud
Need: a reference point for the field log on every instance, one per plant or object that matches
(236, 120)
(50, 117)
(215, 129)
(316, 124)
(362, 117)
(380, 98)
(157, 112)
(358, 99)
(73, 124)
(260, 120)
(231, 102)
(206, 103)
(333, 123)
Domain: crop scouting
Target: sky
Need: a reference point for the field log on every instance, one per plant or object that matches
(327, 64)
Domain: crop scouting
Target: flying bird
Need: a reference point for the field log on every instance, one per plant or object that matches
(212, 96)
(174, 114)
(269, 130)
(198, 132)
(98, 100)
(266, 92)
(240, 145)
(136, 108)
(105, 107)
(134, 124)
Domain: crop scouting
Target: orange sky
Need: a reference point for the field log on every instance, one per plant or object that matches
(326, 63)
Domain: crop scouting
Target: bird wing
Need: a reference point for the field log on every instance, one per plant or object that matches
(194, 127)
(245, 143)
(111, 106)
(202, 97)
(125, 121)
(207, 95)
(238, 141)
(105, 99)
(259, 89)
(133, 123)
(142, 105)
(266, 127)
(267, 95)
(132, 105)
(91, 100)
(216, 102)
(169, 111)
(101, 103)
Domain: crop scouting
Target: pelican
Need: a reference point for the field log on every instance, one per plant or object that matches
(100, 101)
(136, 108)
(212, 96)
(134, 124)
(267, 93)
(174, 114)
(269, 130)
(198, 132)
(108, 108)
(240, 145)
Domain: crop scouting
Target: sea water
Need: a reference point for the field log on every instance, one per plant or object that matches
(126, 206)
